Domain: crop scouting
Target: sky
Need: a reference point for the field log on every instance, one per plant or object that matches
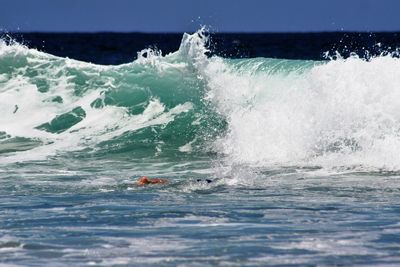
(189, 15)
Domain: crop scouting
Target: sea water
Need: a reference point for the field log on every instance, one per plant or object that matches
(303, 155)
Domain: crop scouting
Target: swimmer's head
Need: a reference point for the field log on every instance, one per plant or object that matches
(143, 180)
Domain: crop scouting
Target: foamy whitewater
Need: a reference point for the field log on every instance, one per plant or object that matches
(304, 157)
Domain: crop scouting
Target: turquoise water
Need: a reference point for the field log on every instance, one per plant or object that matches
(303, 156)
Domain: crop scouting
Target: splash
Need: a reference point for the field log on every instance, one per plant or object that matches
(341, 113)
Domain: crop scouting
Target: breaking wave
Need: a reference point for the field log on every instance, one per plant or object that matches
(259, 111)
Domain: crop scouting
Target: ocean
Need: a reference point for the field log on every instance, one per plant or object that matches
(299, 134)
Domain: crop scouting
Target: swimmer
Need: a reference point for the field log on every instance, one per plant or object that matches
(144, 180)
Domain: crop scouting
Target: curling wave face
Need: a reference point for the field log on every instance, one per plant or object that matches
(260, 111)
(51, 105)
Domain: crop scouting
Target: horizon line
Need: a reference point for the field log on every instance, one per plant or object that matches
(181, 32)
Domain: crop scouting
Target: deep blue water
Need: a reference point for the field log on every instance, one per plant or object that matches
(118, 48)
(302, 150)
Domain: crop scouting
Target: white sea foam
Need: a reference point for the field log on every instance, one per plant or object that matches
(340, 113)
